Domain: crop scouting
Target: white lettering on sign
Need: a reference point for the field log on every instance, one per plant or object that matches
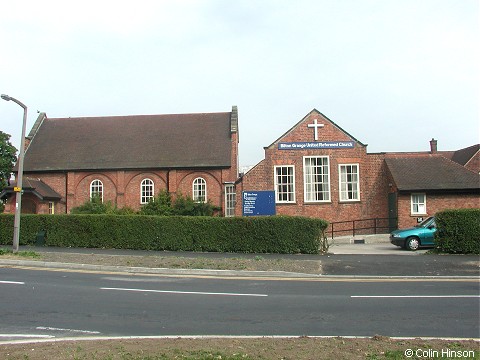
(317, 145)
(315, 125)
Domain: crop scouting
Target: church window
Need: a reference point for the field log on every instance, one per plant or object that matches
(349, 183)
(199, 190)
(316, 174)
(229, 200)
(285, 184)
(96, 189)
(147, 191)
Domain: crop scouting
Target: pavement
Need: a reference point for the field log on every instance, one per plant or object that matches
(361, 256)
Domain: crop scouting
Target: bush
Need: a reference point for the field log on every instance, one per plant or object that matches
(186, 206)
(93, 206)
(458, 231)
(30, 225)
(276, 234)
(164, 205)
(161, 205)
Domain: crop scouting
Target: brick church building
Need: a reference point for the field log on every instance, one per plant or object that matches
(315, 169)
(128, 160)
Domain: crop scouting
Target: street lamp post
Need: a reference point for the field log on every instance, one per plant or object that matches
(18, 200)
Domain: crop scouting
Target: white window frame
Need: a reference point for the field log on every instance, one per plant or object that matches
(147, 191)
(290, 194)
(230, 200)
(51, 207)
(417, 207)
(199, 186)
(96, 187)
(347, 187)
(310, 187)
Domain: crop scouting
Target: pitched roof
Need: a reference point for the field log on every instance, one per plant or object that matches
(431, 173)
(131, 142)
(35, 186)
(463, 156)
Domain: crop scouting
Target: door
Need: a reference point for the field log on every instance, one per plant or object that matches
(392, 212)
(28, 206)
(428, 234)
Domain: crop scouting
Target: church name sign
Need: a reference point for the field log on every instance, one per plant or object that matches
(316, 145)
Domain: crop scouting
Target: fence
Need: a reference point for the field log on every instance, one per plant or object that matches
(362, 226)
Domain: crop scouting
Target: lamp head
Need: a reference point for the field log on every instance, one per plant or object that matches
(6, 97)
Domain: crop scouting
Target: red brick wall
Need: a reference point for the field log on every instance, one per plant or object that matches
(28, 200)
(373, 185)
(122, 188)
(434, 204)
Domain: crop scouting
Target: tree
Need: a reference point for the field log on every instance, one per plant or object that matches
(7, 160)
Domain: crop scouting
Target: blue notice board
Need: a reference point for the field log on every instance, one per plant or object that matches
(258, 203)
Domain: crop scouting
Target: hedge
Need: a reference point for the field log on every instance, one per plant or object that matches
(458, 231)
(276, 234)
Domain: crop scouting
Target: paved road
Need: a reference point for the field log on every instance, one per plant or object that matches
(64, 303)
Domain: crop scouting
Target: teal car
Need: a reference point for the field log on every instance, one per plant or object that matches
(413, 238)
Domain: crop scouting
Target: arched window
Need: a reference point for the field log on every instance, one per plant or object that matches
(199, 190)
(146, 191)
(96, 189)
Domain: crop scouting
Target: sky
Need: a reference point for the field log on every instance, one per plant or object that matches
(392, 73)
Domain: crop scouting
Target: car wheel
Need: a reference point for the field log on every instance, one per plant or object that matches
(412, 243)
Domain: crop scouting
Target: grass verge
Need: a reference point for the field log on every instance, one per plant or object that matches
(23, 254)
(377, 347)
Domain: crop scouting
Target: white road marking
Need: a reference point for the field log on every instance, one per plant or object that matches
(12, 282)
(184, 292)
(414, 296)
(69, 330)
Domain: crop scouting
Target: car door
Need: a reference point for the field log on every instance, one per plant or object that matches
(428, 233)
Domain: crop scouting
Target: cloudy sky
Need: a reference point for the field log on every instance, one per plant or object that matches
(393, 73)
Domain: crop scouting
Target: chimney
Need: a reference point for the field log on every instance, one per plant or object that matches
(234, 119)
(433, 146)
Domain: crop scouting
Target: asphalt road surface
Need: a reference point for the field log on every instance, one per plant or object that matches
(37, 303)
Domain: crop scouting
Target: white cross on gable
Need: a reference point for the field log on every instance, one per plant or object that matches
(316, 126)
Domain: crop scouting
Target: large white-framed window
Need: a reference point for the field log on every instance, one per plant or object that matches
(419, 203)
(316, 178)
(349, 176)
(230, 200)
(96, 189)
(147, 191)
(51, 207)
(199, 190)
(284, 183)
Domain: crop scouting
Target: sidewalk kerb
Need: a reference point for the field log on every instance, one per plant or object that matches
(221, 273)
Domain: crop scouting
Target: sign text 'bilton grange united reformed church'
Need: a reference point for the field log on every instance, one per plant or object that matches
(317, 144)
